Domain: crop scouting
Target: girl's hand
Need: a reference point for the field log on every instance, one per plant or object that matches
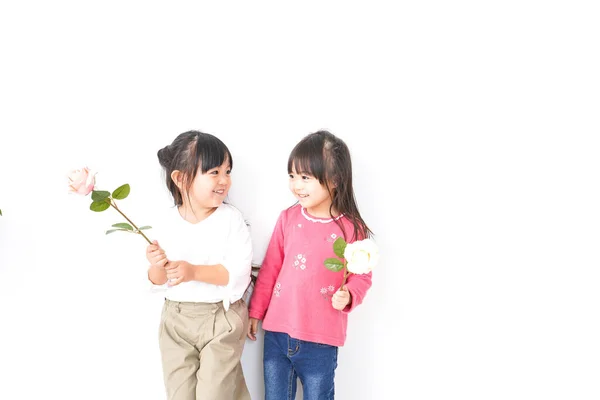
(341, 298)
(179, 271)
(156, 255)
(252, 328)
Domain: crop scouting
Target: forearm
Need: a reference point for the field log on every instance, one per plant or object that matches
(157, 275)
(357, 286)
(213, 274)
(263, 288)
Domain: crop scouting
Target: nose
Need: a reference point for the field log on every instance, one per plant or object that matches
(224, 179)
(296, 184)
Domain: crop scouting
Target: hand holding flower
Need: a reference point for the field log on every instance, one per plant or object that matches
(341, 298)
(155, 255)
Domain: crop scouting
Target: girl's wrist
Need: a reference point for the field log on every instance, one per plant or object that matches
(197, 275)
(157, 275)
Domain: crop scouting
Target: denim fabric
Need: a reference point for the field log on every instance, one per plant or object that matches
(286, 359)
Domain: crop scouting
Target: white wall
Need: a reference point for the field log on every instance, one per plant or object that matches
(471, 132)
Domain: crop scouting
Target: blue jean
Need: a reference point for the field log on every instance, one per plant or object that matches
(286, 359)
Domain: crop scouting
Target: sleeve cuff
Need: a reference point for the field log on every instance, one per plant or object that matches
(158, 288)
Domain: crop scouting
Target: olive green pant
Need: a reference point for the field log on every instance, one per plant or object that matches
(201, 346)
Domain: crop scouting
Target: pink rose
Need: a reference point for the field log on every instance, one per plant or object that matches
(81, 181)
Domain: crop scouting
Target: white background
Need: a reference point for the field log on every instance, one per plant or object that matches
(472, 127)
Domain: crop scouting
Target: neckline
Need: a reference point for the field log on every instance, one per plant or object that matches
(311, 218)
(186, 222)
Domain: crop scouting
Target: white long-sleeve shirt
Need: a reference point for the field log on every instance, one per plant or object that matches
(222, 238)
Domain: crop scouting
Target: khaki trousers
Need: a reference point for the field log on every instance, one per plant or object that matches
(201, 346)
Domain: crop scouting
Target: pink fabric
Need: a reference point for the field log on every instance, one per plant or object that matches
(293, 291)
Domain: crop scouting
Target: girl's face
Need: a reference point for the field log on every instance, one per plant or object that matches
(210, 189)
(310, 193)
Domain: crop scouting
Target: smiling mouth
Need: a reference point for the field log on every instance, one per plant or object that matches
(222, 191)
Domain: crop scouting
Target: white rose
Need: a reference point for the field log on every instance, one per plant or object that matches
(361, 256)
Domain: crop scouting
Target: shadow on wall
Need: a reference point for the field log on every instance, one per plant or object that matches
(253, 276)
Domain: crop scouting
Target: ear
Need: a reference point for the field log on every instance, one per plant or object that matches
(177, 178)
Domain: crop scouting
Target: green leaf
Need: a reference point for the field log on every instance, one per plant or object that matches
(99, 205)
(339, 246)
(333, 264)
(121, 192)
(141, 228)
(114, 230)
(123, 225)
(0, 212)
(99, 195)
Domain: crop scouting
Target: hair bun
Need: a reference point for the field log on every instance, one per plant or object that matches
(165, 156)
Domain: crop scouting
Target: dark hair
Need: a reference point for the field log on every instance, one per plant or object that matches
(188, 152)
(327, 158)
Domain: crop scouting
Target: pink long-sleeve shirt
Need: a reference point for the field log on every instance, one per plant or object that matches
(293, 290)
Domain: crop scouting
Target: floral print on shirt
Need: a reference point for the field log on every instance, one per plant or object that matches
(277, 289)
(327, 292)
(299, 262)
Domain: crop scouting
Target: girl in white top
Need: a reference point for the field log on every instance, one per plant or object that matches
(204, 261)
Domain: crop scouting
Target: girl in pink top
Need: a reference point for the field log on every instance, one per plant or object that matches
(304, 311)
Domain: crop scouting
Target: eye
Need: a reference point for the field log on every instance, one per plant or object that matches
(228, 172)
(305, 177)
(291, 176)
